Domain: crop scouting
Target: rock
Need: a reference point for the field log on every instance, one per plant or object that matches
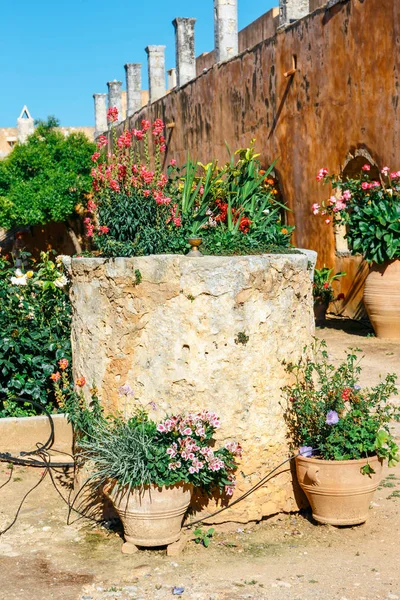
(195, 355)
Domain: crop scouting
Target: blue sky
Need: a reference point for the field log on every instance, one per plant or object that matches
(54, 54)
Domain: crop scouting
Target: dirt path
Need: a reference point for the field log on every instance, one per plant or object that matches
(286, 557)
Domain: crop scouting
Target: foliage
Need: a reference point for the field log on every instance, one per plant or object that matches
(45, 178)
(369, 209)
(35, 321)
(138, 210)
(328, 413)
(138, 451)
(203, 537)
(322, 285)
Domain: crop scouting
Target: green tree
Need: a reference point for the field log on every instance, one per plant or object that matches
(44, 179)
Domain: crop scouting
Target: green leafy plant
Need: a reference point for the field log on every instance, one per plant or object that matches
(139, 210)
(35, 320)
(46, 178)
(322, 286)
(328, 413)
(370, 210)
(203, 536)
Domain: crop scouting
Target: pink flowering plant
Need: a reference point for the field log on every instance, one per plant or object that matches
(141, 451)
(140, 206)
(370, 210)
(331, 416)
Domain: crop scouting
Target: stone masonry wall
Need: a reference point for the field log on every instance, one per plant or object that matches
(174, 339)
(343, 98)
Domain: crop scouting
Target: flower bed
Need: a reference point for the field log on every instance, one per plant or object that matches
(137, 209)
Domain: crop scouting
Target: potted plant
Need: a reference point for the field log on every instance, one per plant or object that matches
(148, 468)
(342, 433)
(323, 292)
(370, 211)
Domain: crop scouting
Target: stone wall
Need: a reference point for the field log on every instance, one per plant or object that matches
(175, 338)
(347, 56)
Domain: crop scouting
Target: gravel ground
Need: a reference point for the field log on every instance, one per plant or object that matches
(285, 557)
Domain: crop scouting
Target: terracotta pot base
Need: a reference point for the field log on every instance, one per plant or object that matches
(339, 494)
(151, 516)
(382, 299)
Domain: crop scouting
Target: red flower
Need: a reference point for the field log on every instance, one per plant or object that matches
(326, 285)
(91, 207)
(112, 114)
(80, 382)
(146, 125)
(366, 167)
(95, 156)
(346, 393)
(102, 141)
(114, 185)
(138, 133)
(104, 229)
(55, 376)
(63, 364)
(244, 225)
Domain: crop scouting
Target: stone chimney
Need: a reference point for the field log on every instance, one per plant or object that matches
(115, 96)
(292, 10)
(100, 114)
(133, 88)
(226, 38)
(156, 66)
(185, 55)
(171, 79)
(25, 125)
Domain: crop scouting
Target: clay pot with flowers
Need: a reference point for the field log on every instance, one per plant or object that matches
(370, 211)
(341, 433)
(149, 469)
(323, 292)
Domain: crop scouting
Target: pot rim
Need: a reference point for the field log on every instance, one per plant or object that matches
(352, 461)
(109, 486)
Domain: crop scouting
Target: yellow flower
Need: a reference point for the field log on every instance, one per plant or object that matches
(29, 274)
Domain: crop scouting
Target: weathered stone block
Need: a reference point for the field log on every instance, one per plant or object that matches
(175, 338)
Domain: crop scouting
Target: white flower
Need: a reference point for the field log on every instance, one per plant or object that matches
(19, 279)
(61, 281)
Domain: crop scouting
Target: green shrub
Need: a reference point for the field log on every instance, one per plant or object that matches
(45, 178)
(35, 322)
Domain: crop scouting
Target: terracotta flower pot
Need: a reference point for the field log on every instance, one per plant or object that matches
(320, 308)
(339, 494)
(382, 299)
(151, 516)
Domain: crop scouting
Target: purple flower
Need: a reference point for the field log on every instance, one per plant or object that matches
(306, 451)
(357, 387)
(332, 418)
(125, 390)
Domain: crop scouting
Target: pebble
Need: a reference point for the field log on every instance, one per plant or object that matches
(46, 528)
(392, 596)
(284, 584)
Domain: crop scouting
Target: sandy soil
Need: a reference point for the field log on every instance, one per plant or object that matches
(284, 557)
